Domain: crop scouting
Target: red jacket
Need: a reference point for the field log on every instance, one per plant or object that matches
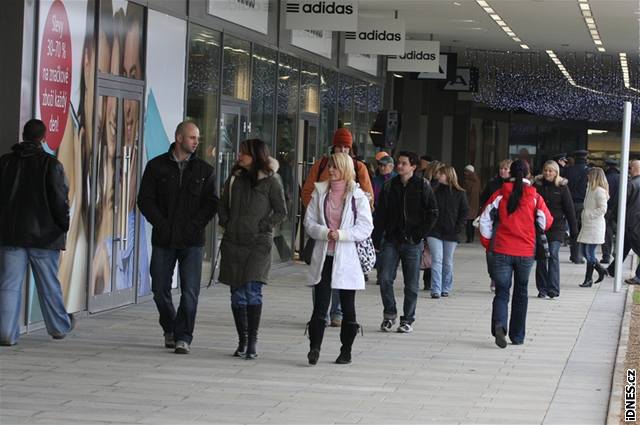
(516, 233)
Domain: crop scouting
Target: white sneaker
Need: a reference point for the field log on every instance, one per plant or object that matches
(405, 328)
(386, 325)
(182, 347)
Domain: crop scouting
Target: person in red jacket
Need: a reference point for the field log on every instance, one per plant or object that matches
(508, 229)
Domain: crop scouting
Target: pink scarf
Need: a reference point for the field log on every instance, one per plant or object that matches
(334, 208)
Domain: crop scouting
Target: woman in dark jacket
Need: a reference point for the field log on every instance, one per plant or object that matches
(443, 238)
(557, 196)
(252, 204)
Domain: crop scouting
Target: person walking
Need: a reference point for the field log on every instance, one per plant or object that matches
(177, 196)
(593, 223)
(34, 220)
(555, 192)
(471, 185)
(338, 216)
(632, 227)
(407, 211)
(508, 228)
(443, 238)
(613, 178)
(430, 174)
(251, 204)
(577, 180)
(384, 173)
(342, 142)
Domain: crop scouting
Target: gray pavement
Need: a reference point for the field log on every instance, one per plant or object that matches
(113, 368)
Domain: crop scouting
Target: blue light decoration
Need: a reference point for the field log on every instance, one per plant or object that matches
(530, 81)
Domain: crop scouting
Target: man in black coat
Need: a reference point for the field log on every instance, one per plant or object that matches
(613, 178)
(177, 196)
(34, 220)
(577, 176)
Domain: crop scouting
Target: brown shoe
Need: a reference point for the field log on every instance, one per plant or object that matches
(336, 323)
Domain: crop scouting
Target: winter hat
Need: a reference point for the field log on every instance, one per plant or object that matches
(342, 137)
(470, 168)
(381, 155)
(385, 160)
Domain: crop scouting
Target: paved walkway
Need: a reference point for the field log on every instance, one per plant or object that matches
(113, 368)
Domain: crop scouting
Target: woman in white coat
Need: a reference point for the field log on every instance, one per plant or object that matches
(337, 217)
(593, 223)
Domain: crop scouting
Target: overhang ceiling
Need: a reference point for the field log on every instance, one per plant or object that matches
(541, 24)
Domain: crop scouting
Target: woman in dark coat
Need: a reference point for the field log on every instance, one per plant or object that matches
(557, 196)
(252, 203)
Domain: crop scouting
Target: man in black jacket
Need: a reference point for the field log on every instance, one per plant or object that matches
(406, 211)
(34, 220)
(177, 196)
(577, 176)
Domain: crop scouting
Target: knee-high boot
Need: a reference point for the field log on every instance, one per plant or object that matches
(602, 272)
(253, 321)
(240, 317)
(316, 334)
(348, 333)
(588, 276)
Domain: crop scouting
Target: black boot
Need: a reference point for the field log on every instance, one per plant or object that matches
(240, 317)
(426, 279)
(348, 333)
(316, 333)
(588, 276)
(602, 272)
(253, 322)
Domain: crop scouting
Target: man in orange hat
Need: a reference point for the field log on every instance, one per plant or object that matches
(342, 143)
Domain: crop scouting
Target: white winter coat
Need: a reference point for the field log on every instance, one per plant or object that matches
(346, 273)
(593, 223)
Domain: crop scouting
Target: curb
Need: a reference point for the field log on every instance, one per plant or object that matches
(617, 384)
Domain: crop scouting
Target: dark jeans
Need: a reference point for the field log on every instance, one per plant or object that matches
(471, 231)
(576, 248)
(163, 261)
(322, 296)
(630, 243)
(410, 255)
(504, 267)
(548, 271)
(589, 250)
(248, 294)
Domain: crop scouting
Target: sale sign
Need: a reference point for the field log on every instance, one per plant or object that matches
(55, 73)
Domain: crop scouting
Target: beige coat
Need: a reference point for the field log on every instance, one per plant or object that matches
(593, 223)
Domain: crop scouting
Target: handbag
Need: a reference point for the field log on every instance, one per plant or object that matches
(425, 259)
(365, 249)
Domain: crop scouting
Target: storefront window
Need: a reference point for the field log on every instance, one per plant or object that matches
(309, 80)
(285, 151)
(360, 127)
(236, 68)
(263, 94)
(328, 117)
(202, 100)
(345, 102)
(374, 105)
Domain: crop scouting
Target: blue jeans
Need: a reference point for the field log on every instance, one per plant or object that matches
(13, 269)
(504, 266)
(590, 252)
(441, 264)
(548, 271)
(163, 261)
(392, 254)
(248, 294)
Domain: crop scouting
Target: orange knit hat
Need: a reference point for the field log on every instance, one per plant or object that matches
(342, 137)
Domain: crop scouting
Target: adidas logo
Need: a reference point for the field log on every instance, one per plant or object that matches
(321, 7)
(373, 35)
(414, 55)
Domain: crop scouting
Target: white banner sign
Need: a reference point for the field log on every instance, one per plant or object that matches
(376, 37)
(252, 14)
(419, 56)
(318, 42)
(336, 15)
(442, 71)
(364, 63)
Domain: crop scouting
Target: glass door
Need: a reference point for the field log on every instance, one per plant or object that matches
(307, 155)
(114, 254)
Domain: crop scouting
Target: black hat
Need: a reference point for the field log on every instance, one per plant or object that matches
(580, 153)
(612, 161)
(560, 157)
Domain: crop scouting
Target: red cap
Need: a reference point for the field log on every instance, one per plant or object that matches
(342, 137)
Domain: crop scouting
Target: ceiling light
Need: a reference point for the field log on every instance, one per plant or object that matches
(501, 22)
(494, 16)
(482, 3)
(602, 49)
(594, 33)
(524, 46)
(591, 26)
(516, 39)
(489, 10)
(456, 3)
(584, 6)
(398, 76)
(586, 13)
(589, 20)
(598, 42)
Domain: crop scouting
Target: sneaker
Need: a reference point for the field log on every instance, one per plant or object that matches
(169, 342)
(435, 296)
(492, 287)
(405, 328)
(182, 347)
(336, 323)
(72, 325)
(444, 294)
(541, 295)
(386, 325)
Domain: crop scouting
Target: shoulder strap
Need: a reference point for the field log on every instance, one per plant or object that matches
(354, 209)
(323, 164)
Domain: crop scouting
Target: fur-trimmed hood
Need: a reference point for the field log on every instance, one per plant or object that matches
(273, 164)
(539, 179)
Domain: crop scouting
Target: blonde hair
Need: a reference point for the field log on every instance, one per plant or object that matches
(505, 163)
(555, 167)
(344, 163)
(452, 176)
(596, 178)
(432, 169)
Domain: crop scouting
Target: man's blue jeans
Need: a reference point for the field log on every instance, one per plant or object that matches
(248, 294)
(410, 255)
(13, 269)
(163, 261)
(504, 267)
(441, 264)
(548, 271)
